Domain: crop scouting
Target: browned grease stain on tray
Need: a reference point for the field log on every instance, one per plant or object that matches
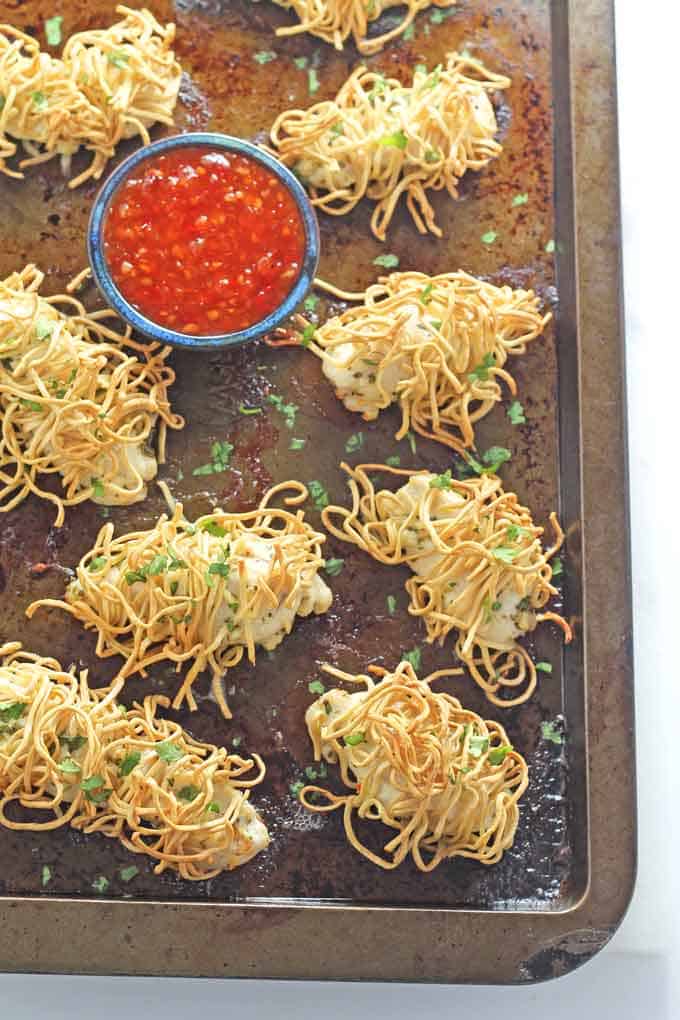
(42, 221)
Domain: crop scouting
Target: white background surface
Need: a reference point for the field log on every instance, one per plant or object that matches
(638, 976)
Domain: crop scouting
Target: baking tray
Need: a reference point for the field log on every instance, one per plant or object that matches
(310, 907)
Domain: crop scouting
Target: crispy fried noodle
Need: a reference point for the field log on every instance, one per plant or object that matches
(76, 399)
(478, 563)
(75, 756)
(109, 84)
(205, 593)
(335, 21)
(381, 139)
(436, 346)
(448, 781)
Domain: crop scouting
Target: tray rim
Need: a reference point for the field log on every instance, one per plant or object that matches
(284, 940)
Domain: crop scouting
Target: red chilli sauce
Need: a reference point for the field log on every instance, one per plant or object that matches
(204, 241)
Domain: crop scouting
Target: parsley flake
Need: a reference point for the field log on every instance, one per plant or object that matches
(489, 237)
(516, 413)
(316, 687)
(354, 443)
(391, 604)
(168, 752)
(127, 874)
(264, 56)
(550, 731)
(129, 763)
(318, 493)
(544, 667)
(333, 567)
(520, 199)
(497, 755)
(386, 261)
(397, 140)
(53, 30)
(353, 739)
(45, 875)
(414, 657)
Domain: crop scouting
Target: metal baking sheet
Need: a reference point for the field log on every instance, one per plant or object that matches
(310, 906)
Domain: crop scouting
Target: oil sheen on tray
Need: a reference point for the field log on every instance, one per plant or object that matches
(226, 89)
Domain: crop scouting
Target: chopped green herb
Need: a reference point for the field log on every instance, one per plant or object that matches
(68, 765)
(40, 100)
(516, 413)
(43, 329)
(168, 752)
(411, 440)
(557, 567)
(214, 808)
(213, 528)
(439, 16)
(221, 459)
(219, 569)
(433, 155)
(386, 261)
(308, 334)
(355, 442)
(97, 563)
(352, 739)
(550, 246)
(397, 140)
(300, 63)
(264, 56)
(409, 33)
(127, 874)
(94, 789)
(497, 755)
(520, 199)
(551, 732)
(289, 411)
(45, 875)
(489, 237)
(188, 793)
(100, 884)
(393, 461)
(481, 372)
(544, 667)
(129, 763)
(297, 444)
(478, 746)
(10, 711)
(311, 302)
(504, 554)
(296, 788)
(414, 657)
(426, 296)
(319, 494)
(313, 82)
(443, 481)
(391, 605)
(118, 58)
(338, 129)
(53, 30)
(31, 405)
(249, 410)
(316, 687)
(333, 567)
(311, 773)
(491, 460)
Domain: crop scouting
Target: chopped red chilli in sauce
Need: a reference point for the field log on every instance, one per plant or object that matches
(203, 241)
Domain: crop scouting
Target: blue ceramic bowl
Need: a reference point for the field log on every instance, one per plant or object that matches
(153, 330)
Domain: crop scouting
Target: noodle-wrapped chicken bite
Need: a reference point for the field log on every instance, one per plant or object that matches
(182, 802)
(435, 346)
(129, 72)
(335, 21)
(382, 140)
(446, 780)
(479, 567)
(77, 400)
(42, 107)
(109, 84)
(204, 593)
(78, 756)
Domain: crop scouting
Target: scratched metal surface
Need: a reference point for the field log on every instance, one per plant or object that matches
(42, 221)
